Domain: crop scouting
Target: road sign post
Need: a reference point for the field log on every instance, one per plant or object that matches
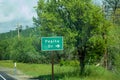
(52, 44)
(52, 65)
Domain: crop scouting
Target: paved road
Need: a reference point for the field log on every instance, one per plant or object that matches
(4, 76)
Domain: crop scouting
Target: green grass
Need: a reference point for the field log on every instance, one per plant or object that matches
(43, 71)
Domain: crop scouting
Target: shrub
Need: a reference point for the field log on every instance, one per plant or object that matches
(69, 62)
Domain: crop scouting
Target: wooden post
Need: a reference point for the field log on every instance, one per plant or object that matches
(52, 65)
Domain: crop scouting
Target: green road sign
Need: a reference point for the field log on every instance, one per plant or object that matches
(51, 43)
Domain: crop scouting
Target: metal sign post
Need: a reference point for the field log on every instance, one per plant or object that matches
(52, 65)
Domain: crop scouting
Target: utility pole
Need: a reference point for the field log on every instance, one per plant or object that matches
(18, 30)
(18, 33)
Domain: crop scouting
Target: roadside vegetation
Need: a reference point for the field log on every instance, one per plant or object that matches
(43, 71)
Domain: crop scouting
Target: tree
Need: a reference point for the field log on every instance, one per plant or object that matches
(111, 6)
(5, 48)
(76, 20)
(117, 17)
(24, 51)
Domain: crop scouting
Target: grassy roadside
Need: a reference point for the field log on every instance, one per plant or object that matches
(43, 71)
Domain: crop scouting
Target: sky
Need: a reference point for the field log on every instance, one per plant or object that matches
(98, 2)
(13, 12)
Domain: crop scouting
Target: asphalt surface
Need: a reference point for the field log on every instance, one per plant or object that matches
(4, 76)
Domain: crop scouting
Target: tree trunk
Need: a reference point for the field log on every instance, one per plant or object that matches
(105, 59)
(81, 54)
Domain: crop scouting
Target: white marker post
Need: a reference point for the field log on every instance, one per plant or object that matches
(15, 68)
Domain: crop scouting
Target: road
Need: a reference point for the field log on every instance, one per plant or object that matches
(4, 76)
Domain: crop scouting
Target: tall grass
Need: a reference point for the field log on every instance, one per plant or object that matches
(43, 71)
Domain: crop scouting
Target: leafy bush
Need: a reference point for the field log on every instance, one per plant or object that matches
(24, 51)
(69, 62)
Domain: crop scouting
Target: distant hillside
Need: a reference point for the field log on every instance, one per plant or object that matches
(25, 33)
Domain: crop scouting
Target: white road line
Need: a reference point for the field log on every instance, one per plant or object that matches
(2, 77)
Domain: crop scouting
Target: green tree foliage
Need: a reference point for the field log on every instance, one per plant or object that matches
(21, 50)
(76, 20)
(113, 4)
(114, 48)
(111, 8)
(117, 17)
(113, 36)
(6, 47)
(24, 51)
(3, 48)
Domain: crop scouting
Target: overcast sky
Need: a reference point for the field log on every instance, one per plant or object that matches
(13, 12)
